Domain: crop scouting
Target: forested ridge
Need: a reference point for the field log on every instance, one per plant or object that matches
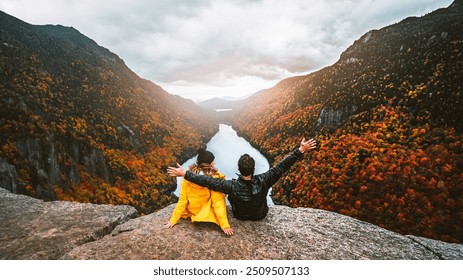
(77, 124)
(388, 119)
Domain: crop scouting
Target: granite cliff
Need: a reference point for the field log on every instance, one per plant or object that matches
(33, 229)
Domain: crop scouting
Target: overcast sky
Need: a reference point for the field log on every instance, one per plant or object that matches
(206, 48)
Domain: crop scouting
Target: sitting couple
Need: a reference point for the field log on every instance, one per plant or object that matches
(247, 194)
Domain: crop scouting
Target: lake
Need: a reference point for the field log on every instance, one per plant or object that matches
(227, 148)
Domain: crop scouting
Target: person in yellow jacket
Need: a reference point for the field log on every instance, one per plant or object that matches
(199, 203)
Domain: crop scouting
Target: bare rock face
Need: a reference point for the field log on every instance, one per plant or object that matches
(33, 229)
(8, 176)
(286, 233)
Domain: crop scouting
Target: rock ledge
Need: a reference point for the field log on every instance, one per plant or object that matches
(33, 229)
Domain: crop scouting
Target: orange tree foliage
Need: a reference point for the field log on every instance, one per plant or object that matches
(378, 168)
(137, 183)
(407, 179)
(78, 125)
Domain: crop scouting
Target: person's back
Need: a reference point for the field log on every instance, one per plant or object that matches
(249, 199)
(199, 203)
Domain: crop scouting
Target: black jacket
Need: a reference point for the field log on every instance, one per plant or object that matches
(248, 198)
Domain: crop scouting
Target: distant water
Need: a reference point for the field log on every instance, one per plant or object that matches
(227, 148)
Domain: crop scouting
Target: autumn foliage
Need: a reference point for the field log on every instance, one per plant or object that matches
(78, 125)
(387, 117)
(408, 179)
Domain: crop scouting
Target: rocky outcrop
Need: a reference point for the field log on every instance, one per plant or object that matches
(332, 119)
(286, 233)
(33, 229)
(8, 176)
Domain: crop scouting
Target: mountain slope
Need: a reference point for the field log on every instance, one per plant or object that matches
(387, 116)
(77, 124)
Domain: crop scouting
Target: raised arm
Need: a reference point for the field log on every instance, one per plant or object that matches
(274, 173)
(214, 184)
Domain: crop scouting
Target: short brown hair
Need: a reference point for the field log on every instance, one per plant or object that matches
(246, 165)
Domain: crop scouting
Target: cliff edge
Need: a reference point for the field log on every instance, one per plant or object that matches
(34, 229)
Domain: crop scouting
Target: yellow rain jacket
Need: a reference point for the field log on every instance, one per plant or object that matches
(201, 204)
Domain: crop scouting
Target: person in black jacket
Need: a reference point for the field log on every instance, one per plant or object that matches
(248, 193)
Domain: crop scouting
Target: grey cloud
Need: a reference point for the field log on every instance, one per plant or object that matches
(213, 42)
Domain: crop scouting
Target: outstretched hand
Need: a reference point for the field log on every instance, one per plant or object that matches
(307, 145)
(176, 172)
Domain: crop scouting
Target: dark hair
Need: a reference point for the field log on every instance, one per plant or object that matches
(204, 156)
(204, 163)
(246, 165)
